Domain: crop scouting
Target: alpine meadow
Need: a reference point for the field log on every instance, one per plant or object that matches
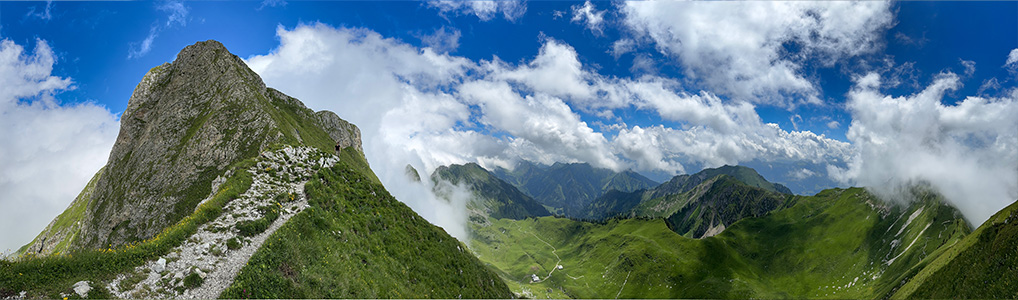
(502, 149)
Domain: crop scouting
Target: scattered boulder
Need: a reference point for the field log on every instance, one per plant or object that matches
(160, 265)
(82, 288)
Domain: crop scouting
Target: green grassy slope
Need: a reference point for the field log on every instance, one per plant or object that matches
(724, 202)
(983, 265)
(704, 209)
(837, 244)
(494, 197)
(357, 241)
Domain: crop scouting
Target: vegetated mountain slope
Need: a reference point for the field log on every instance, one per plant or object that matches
(837, 244)
(357, 241)
(683, 183)
(614, 203)
(186, 122)
(568, 188)
(724, 201)
(983, 265)
(700, 210)
(493, 197)
(199, 254)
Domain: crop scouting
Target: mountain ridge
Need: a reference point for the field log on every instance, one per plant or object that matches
(981, 265)
(208, 173)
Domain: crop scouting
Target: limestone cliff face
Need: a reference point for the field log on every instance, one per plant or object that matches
(186, 122)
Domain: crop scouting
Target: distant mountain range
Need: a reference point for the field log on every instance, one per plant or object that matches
(750, 238)
(696, 205)
(567, 189)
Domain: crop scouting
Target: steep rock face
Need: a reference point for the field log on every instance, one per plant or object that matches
(185, 123)
(344, 133)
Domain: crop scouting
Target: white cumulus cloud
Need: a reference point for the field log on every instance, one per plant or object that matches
(968, 151)
(50, 150)
(756, 50)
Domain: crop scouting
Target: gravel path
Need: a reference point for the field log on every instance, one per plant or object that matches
(206, 254)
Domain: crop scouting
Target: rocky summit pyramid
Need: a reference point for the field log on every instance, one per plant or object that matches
(186, 122)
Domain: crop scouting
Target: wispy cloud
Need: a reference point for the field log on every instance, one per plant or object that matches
(970, 67)
(43, 14)
(485, 10)
(443, 39)
(588, 15)
(176, 15)
(139, 49)
(272, 3)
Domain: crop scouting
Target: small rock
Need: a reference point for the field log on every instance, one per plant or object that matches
(81, 288)
(160, 265)
(199, 272)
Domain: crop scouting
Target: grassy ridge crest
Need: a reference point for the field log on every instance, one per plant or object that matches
(48, 276)
(357, 241)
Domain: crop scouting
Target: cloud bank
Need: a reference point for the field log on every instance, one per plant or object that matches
(967, 151)
(427, 108)
(50, 150)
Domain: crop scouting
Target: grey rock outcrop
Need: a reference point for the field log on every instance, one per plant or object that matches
(185, 124)
(82, 288)
(344, 133)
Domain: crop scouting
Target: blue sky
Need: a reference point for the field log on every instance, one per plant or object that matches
(860, 92)
(93, 40)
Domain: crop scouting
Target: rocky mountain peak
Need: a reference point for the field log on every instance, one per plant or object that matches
(185, 124)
